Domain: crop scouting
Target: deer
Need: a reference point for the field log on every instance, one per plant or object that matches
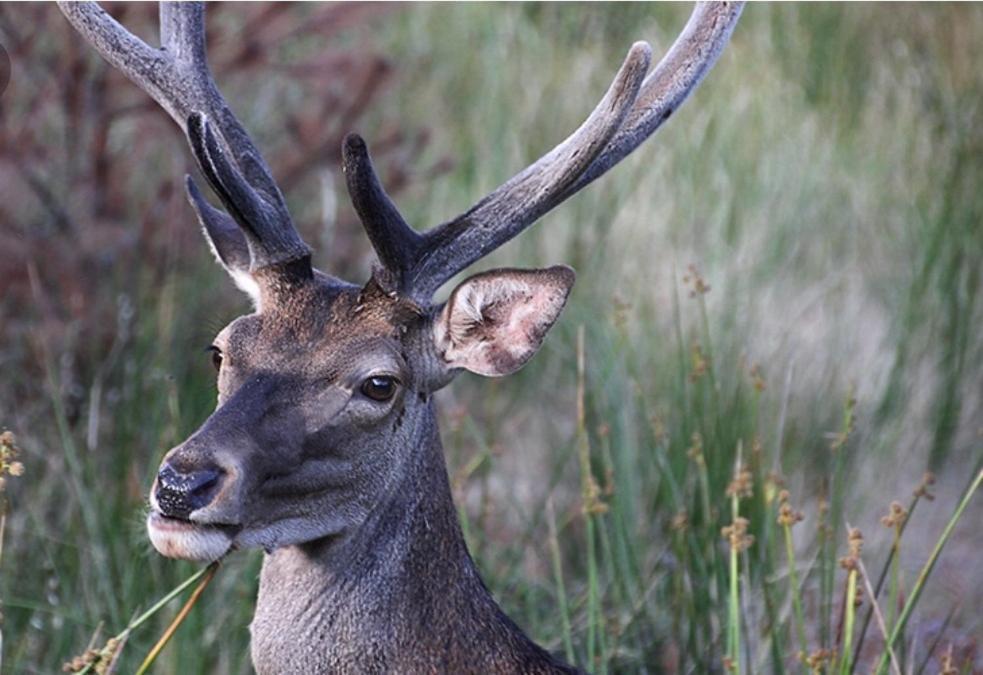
(323, 449)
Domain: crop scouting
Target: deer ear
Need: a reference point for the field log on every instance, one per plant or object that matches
(495, 321)
(226, 240)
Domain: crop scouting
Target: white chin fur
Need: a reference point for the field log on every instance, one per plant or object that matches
(187, 541)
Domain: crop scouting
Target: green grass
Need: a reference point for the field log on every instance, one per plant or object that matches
(824, 180)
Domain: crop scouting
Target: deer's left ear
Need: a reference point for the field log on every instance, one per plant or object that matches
(495, 321)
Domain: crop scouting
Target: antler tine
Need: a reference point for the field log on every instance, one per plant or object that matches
(630, 112)
(177, 77)
(679, 72)
(519, 202)
(395, 242)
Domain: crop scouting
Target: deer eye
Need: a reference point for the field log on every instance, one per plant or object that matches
(379, 387)
(216, 356)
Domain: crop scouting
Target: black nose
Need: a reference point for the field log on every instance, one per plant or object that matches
(178, 494)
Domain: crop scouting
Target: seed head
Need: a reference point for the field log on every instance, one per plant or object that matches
(8, 458)
(757, 379)
(896, 517)
(922, 490)
(593, 504)
(97, 660)
(737, 535)
(855, 543)
(700, 362)
(696, 282)
(741, 486)
(695, 450)
(817, 660)
(948, 663)
(787, 516)
(659, 429)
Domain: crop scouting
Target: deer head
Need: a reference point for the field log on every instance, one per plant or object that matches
(325, 391)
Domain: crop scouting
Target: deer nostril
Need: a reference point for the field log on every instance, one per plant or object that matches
(179, 494)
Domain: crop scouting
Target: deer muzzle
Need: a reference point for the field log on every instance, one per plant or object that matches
(176, 497)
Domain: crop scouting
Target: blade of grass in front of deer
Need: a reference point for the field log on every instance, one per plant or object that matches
(115, 643)
(926, 570)
(209, 574)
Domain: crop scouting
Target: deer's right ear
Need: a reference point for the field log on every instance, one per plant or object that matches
(226, 240)
(495, 321)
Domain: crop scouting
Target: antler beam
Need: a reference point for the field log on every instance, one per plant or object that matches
(177, 76)
(633, 108)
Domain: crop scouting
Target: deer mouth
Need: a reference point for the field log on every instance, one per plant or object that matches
(187, 540)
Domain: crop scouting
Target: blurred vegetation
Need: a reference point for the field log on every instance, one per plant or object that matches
(824, 181)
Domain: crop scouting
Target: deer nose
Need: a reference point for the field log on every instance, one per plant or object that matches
(179, 494)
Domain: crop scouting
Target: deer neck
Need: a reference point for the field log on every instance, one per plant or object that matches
(399, 594)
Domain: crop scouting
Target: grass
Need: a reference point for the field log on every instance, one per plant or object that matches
(824, 181)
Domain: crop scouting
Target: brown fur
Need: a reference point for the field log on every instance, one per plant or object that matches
(366, 568)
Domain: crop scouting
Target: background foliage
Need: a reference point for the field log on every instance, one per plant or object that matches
(824, 181)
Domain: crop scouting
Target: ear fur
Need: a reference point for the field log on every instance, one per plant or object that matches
(226, 240)
(495, 321)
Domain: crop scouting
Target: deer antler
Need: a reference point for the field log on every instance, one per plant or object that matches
(177, 76)
(631, 110)
(395, 242)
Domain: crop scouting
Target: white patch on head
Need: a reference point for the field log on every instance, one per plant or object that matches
(244, 280)
(495, 321)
